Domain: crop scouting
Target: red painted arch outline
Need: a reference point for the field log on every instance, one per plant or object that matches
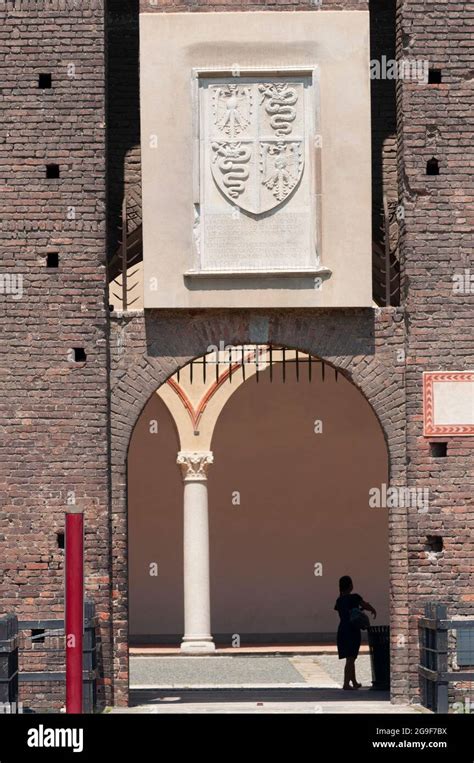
(195, 414)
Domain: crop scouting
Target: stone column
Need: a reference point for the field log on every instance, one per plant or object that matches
(197, 600)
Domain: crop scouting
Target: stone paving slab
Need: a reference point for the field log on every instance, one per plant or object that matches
(312, 672)
(334, 667)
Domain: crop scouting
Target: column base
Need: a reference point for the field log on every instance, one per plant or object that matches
(198, 645)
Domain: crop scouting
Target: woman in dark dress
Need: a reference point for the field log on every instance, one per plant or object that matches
(348, 634)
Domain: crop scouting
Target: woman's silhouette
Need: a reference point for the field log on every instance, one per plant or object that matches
(348, 634)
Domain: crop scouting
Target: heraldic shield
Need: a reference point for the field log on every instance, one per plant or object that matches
(256, 134)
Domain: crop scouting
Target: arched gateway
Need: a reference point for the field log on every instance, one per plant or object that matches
(269, 578)
(277, 453)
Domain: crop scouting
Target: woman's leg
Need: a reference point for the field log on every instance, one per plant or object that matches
(353, 674)
(348, 672)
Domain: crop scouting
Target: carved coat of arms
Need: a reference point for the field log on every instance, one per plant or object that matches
(256, 142)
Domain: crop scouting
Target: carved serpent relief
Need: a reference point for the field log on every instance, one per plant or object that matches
(280, 100)
(231, 159)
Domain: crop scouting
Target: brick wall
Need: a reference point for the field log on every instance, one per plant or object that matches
(437, 120)
(53, 412)
(163, 6)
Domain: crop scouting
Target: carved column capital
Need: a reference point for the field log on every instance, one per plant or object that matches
(194, 464)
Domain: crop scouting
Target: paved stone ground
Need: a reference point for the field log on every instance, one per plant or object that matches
(213, 671)
(256, 671)
(312, 672)
(280, 684)
(334, 667)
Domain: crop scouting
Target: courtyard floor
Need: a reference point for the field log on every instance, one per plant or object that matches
(255, 683)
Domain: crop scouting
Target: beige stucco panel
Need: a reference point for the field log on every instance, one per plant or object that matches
(453, 403)
(171, 46)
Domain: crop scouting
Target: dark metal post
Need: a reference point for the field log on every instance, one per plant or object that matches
(386, 215)
(124, 255)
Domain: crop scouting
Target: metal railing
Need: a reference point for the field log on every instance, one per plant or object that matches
(123, 281)
(32, 662)
(446, 649)
(9, 663)
(386, 271)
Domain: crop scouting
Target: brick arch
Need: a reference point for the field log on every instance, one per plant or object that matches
(148, 350)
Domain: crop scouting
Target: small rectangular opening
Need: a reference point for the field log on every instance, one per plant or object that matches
(60, 539)
(79, 354)
(52, 260)
(38, 635)
(52, 171)
(439, 449)
(45, 81)
(432, 167)
(435, 76)
(434, 543)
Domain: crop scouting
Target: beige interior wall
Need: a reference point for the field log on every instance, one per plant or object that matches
(155, 527)
(303, 501)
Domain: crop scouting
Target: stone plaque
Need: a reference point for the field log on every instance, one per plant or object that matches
(448, 398)
(256, 186)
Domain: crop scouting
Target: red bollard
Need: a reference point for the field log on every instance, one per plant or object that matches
(74, 608)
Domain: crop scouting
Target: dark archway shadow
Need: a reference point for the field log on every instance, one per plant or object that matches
(123, 117)
(383, 102)
(168, 697)
(383, 97)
